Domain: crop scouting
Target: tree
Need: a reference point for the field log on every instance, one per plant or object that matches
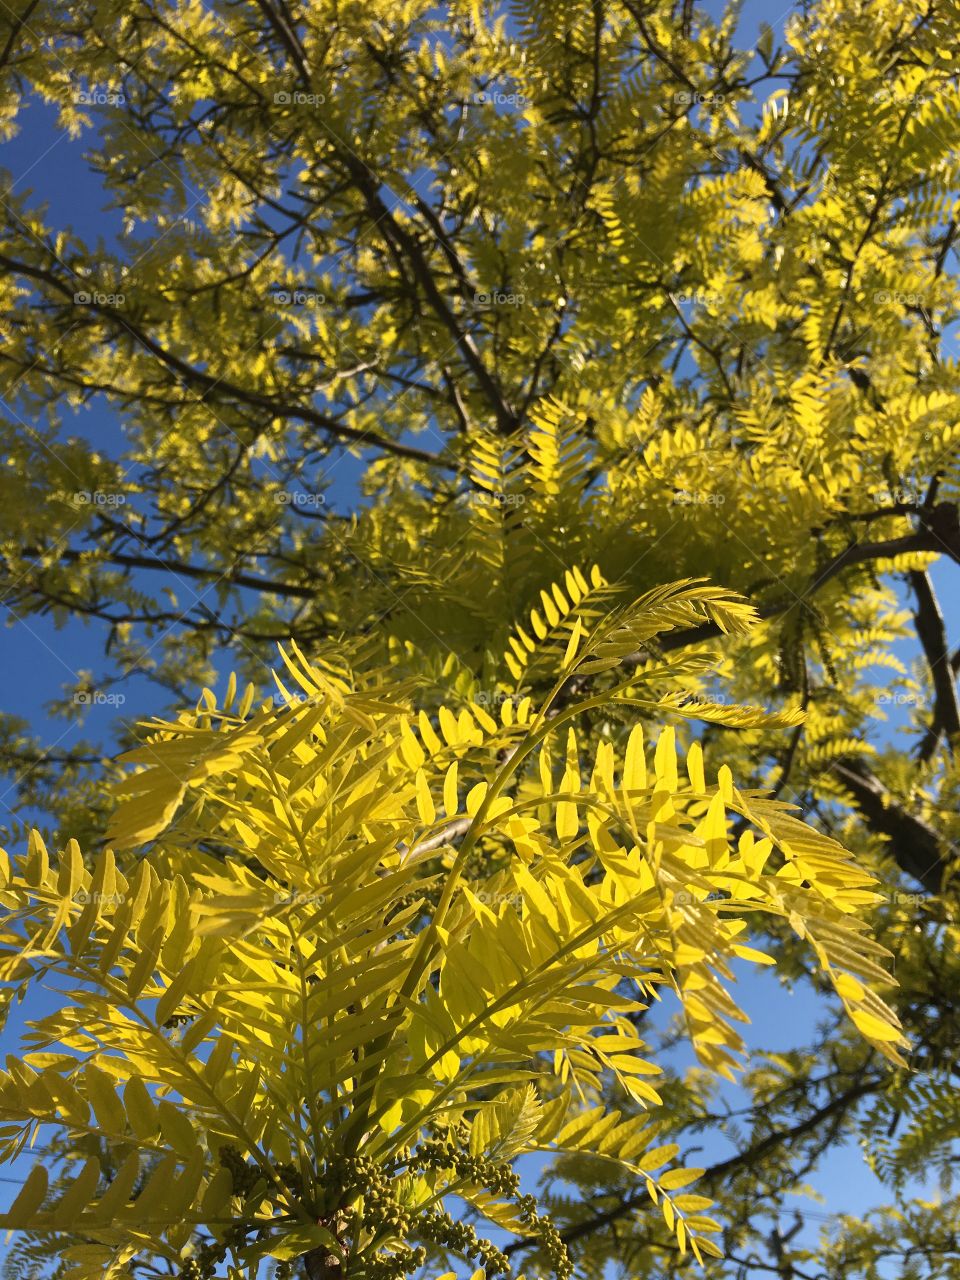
(581, 283)
(326, 1025)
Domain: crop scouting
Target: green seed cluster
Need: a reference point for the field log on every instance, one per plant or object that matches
(448, 1154)
(178, 1020)
(550, 1239)
(404, 1262)
(500, 1178)
(381, 1207)
(245, 1175)
(292, 1178)
(438, 1226)
(442, 1153)
(348, 1175)
(210, 1255)
(353, 1171)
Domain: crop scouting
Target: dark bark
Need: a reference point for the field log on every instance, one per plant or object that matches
(915, 846)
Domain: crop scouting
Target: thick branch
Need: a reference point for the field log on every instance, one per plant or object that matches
(932, 634)
(16, 27)
(928, 743)
(234, 576)
(915, 846)
(939, 535)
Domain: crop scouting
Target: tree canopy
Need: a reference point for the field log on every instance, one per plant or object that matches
(440, 336)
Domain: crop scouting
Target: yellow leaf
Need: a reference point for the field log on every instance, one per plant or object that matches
(848, 987)
(634, 764)
(695, 767)
(749, 953)
(665, 757)
(573, 642)
(475, 797)
(425, 806)
(450, 802)
(658, 1156)
(411, 750)
(710, 1247)
(675, 1178)
(873, 1027)
(28, 1200)
(567, 821)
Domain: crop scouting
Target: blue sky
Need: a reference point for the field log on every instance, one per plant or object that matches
(43, 659)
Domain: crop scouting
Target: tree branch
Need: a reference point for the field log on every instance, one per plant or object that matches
(197, 377)
(942, 534)
(724, 1169)
(932, 634)
(915, 846)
